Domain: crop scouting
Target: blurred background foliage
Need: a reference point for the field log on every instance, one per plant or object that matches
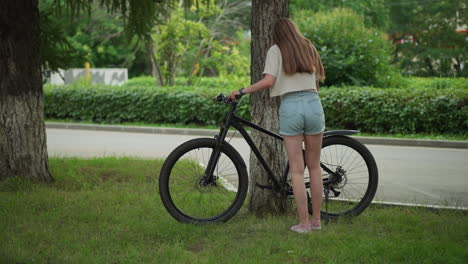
(362, 42)
(209, 40)
(351, 52)
(431, 37)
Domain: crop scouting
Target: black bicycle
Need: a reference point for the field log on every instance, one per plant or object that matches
(205, 180)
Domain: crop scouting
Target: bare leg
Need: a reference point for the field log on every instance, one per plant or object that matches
(296, 169)
(313, 145)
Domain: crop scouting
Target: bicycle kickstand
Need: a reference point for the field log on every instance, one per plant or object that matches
(327, 217)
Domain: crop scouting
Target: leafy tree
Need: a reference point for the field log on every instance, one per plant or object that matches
(173, 40)
(423, 31)
(100, 39)
(56, 48)
(221, 55)
(23, 149)
(431, 46)
(97, 37)
(226, 59)
(375, 12)
(351, 52)
(198, 45)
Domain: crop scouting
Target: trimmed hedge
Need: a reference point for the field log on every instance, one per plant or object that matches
(365, 108)
(397, 110)
(135, 104)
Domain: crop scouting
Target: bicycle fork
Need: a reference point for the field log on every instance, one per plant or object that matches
(209, 177)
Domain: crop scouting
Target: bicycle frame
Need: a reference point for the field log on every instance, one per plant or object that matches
(237, 122)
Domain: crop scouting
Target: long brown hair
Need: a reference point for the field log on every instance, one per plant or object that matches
(298, 53)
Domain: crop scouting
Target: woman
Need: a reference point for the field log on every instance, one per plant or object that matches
(292, 69)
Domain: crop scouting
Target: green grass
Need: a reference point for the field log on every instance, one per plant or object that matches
(455, 137)
(108, 210)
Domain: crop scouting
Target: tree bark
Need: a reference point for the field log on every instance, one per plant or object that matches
(23, 148)
(265, 109)
(172, 66)
(457, 67)
(155, 70)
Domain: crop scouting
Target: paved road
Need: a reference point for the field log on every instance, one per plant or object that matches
(407, 174)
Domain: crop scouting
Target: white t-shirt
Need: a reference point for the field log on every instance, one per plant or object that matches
(286, 83)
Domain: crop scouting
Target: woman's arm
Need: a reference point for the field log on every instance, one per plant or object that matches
(267, 81)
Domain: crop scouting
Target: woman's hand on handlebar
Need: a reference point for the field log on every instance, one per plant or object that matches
(235, 95)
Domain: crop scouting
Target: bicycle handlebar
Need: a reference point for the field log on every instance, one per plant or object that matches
(222, 98)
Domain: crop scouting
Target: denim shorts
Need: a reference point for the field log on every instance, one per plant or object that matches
(301, 113)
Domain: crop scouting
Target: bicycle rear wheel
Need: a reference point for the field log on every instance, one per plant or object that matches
(357, 168)
(186, 193)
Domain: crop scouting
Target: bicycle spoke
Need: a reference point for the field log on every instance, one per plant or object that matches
(353, 183)
(199, 201)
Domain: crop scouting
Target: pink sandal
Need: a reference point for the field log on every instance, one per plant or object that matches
(301, 228)
(315, 227)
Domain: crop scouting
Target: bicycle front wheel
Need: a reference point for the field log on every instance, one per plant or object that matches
(358, 176)
(187, 194)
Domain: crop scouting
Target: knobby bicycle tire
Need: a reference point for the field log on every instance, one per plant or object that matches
(189, 201)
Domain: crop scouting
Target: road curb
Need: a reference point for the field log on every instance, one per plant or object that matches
(212, 132)
(428, 206)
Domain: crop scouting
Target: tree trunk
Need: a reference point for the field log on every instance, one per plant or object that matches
(155, 70)
(265, 110)
(193, 69)
(457, 67)
(23, 148)
(428, 62)
(172, 66)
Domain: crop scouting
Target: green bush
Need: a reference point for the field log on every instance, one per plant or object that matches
(422, 110)
(402, 110)
(351, 53)
(136, 104)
